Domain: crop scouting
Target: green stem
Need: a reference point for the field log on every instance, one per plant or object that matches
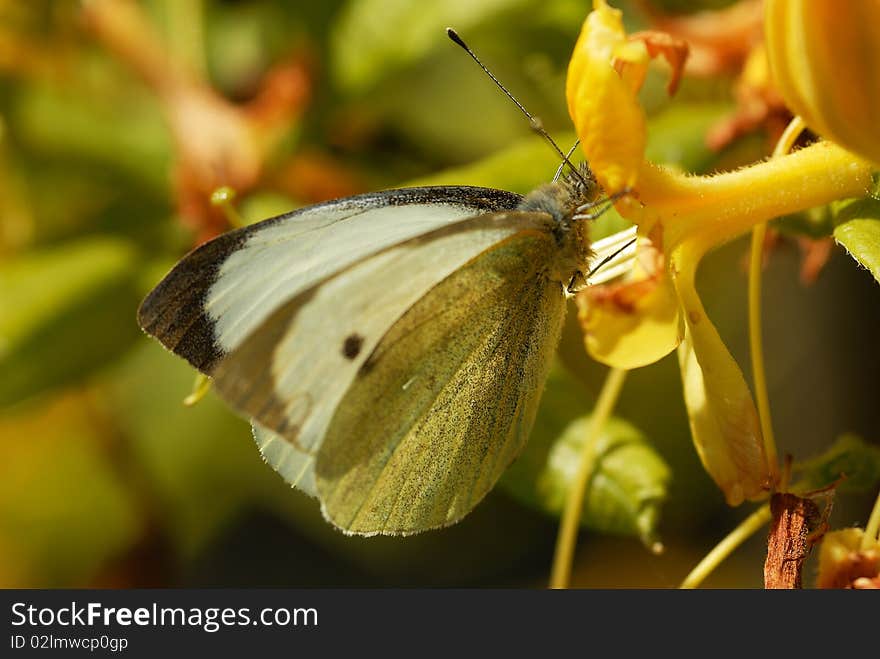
(756, 343)
(748, 527)
(571, 515)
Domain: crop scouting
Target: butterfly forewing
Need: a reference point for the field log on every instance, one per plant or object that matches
(224, 290)
(448, 396)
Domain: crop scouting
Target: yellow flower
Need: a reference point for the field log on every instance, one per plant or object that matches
(657, 308)
(825, 60)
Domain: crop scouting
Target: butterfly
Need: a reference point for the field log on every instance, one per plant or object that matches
(391, 347)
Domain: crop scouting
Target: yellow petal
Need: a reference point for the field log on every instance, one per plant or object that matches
(824, 58)
(723, 419)
(602, 103)
(633, 323)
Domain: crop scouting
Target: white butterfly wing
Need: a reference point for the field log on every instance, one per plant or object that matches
(222, 291)
(292, 372)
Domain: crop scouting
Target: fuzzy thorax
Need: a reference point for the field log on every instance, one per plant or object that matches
(562, 200)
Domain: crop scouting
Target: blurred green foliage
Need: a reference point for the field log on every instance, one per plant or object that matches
(108, 480)
(59, 302)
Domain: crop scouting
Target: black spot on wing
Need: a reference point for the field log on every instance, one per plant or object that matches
(351, 347)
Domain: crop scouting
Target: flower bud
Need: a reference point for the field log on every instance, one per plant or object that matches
(825, 60)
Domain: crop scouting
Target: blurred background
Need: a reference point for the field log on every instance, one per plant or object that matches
(119, 118)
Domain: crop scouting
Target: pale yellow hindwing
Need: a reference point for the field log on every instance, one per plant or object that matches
(447, 398)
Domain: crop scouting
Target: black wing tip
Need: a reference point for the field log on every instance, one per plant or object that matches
(174, 311)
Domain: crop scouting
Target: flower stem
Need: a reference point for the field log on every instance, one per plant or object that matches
(726, 547)
(756, 344)
(571, 515)
(872, 530)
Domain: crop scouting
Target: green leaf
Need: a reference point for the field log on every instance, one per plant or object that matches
(373, 38)
(628, 485)
(65, 311)
(858, 230)
(851, 457)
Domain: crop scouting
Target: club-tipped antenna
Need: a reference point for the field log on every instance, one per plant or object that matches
(534, 122)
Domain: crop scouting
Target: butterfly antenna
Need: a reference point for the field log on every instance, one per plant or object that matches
(533, 121)
(567, 156)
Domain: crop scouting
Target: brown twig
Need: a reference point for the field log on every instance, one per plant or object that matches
(789, 542)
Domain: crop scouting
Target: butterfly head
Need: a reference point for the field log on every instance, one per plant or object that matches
(563, 200)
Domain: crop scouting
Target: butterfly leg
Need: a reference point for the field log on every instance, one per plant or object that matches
(576, 283)
(602, 205)
(609, 258)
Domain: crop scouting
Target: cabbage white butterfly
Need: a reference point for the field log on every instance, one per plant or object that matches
(392, 347)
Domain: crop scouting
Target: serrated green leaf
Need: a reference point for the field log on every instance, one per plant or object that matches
(858, 230)
(850, 457)
(373, 38)
(629, 480)
(65, 311)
